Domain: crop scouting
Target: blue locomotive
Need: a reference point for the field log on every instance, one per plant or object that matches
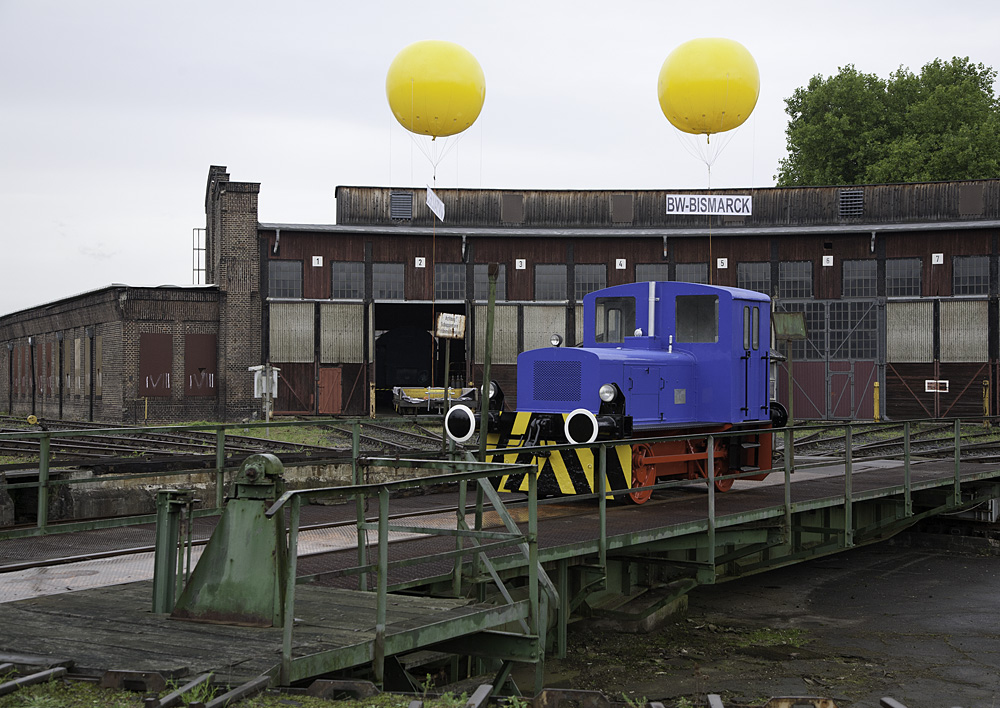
(658, 358)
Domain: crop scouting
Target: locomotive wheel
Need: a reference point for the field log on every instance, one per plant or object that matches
(721, 465)
(643, 474)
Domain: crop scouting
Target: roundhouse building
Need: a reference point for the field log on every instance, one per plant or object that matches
(898, 285)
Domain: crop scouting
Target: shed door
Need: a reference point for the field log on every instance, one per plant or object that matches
(330, 390)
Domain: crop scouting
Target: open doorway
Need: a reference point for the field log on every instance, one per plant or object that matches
(406, 353)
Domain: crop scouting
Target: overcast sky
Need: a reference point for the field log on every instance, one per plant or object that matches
(112, 111)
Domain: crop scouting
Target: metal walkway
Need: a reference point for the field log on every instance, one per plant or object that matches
(477, 582)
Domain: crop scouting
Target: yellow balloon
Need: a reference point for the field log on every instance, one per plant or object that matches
(708, 85)
(435, 88)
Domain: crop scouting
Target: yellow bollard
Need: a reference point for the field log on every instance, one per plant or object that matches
(878, 417)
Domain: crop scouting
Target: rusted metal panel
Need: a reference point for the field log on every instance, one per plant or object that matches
(541, 322)
(291, 332)
(964, 330)
(200, 364)
(909, 331)
(156, 356)
(342, 333)
(907, 395)
(505, 349)
(852, 389)
(809, 384)
(296, 387)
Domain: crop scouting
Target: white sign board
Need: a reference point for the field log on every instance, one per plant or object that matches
(262, 386)
(451, 326)
(435, 204)
(710, 204)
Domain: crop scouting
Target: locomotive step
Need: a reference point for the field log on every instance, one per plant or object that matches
(749, 445)
(748, 468)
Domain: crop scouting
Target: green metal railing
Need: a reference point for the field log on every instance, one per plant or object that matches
(482, 542)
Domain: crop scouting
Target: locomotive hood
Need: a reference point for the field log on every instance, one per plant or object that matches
(559, 380)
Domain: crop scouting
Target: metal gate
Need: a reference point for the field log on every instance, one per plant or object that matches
(835, 369)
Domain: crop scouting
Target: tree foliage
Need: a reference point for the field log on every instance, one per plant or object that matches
(856, 128)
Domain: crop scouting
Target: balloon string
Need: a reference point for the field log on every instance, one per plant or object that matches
(710, 260)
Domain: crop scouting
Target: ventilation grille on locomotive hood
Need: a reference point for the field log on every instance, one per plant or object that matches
(557, 381)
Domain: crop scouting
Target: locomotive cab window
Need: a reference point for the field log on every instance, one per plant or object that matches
(615, 319)
(697, 318)
(751, 328)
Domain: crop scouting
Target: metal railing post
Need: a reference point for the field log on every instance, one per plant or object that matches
(383, 585)
(602, 506)
(456, 581)
(907, 487)
(958, 461)
(43, 482)
(710, 462)
(165, 555)
(788, 485)
(849, 488)
(359, 503)
(220, 467)
(536, 615)
(288, 608)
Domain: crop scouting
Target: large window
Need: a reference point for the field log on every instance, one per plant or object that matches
(692, 272)
(754, 276)
(615, 319)
(550, 282)
(588, 277)
(859, 279)
(348, 281)
(645, 272)
(284, 278)
(970, 275)
(449, 281)
(902, 277)
(795, 279)
(697, 318)
(481, 286)
(387, 281)
(852, 330)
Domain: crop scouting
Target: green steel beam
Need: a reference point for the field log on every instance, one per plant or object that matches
(490, 644)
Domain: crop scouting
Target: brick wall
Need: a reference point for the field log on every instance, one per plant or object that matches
(85, 353)
(234, 257)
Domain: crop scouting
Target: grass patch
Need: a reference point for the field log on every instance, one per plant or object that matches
(74, 694)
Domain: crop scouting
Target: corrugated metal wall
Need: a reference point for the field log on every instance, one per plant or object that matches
(505, 348)
(541, 322)
(909, 331)
(342, 333)
(964, 330)
(291, 332)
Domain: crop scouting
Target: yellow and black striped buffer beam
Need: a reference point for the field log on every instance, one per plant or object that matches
(562, 472)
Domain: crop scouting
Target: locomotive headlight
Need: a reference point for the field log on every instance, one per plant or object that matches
(494, 389)
(556, 340)
(608, 392)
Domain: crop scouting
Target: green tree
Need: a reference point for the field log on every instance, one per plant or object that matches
(856, 128)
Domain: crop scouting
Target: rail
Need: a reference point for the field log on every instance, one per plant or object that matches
(226, 447)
